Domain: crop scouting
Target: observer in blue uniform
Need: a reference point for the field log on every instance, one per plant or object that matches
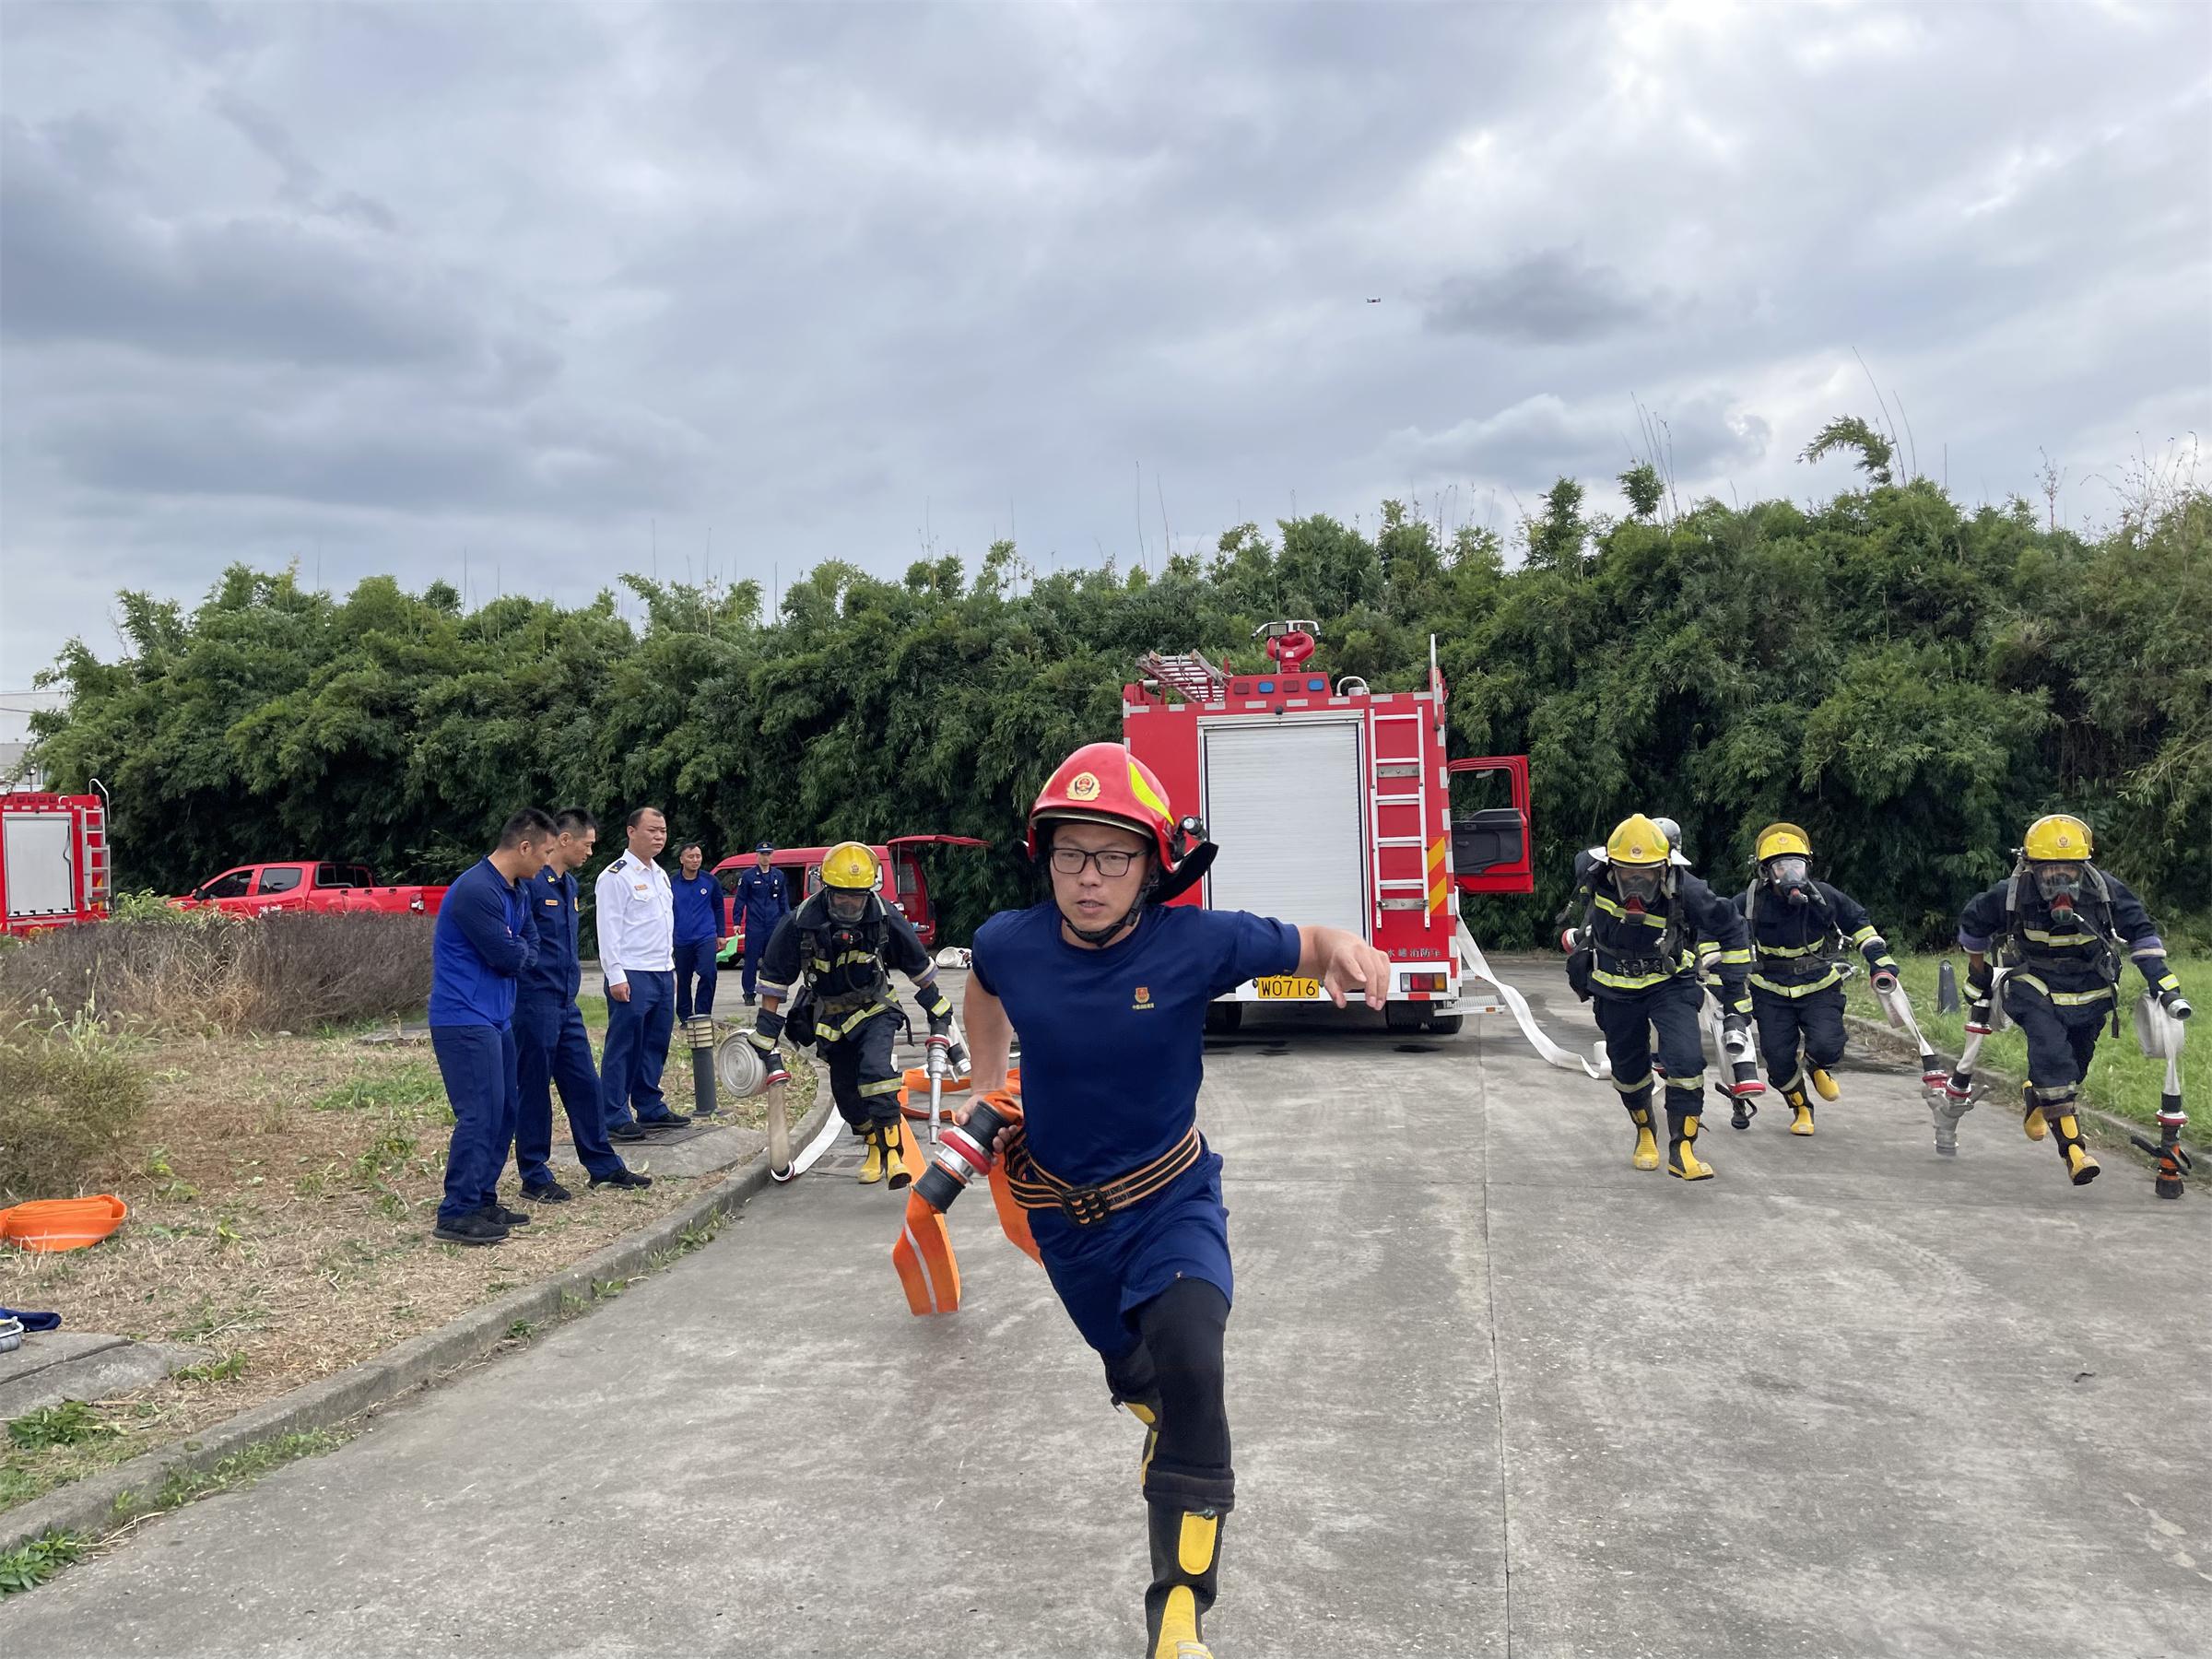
(1107, 988)
(483, 942)
(550, 1044)
(637, 955)
(701, 921)
(763, 898)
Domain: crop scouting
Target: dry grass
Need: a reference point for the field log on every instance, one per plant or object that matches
(206, 971)
(282, 1193)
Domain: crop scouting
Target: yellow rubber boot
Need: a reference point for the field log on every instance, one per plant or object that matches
(1801, 1111)
(2031, 1118)
(1682, 1158)
(895, 1170)
(871, 1166)
(2081, 1165)
(1646, 1156)
(1186, 1558)
(1828, 1089)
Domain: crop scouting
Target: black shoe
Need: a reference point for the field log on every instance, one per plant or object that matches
(500, 1214)
(477, 1228)
(622, 1178)
(547, 1192)
(626, 1132)
(750, 1002)
(674, 1120)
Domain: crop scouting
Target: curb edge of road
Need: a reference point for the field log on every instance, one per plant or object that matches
(1897, 1043)
(93, 1506)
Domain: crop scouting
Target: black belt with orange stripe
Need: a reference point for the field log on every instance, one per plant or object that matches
(1037, 1188)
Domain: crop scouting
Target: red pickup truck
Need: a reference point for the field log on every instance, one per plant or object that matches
(255, 889)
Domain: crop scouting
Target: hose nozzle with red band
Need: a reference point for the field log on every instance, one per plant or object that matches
(964, 1154)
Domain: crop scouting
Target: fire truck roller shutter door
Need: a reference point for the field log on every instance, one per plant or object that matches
(40, 864)
(1283, 803)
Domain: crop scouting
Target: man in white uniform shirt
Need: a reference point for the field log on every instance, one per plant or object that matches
(637, 954)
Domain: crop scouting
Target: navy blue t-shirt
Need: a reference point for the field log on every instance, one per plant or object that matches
(1112, 1040)
(700, 914)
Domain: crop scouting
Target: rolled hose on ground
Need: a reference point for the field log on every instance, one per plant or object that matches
(2160, 1037)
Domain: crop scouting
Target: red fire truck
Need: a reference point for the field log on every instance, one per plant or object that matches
(54, 860)
(1331, 804)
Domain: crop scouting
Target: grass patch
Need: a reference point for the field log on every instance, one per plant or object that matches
(71, 1098)
(415, 1083)
(280, 1193)
(2121, 1080)
(181, 1486)
(63, 1425)
(33, 1563)
(229, 1369)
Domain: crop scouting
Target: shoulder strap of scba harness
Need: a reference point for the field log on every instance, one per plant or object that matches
(871, 932)
(2103, 924)
(1670, 941)
(1832, 938)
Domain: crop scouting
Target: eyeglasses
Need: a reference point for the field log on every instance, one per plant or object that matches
(1113, 862)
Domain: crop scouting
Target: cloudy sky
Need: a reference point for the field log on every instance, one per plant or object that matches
(390, 288)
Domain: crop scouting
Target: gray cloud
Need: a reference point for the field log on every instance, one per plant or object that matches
(372, 285)
(1551, 296)
(1706, 434)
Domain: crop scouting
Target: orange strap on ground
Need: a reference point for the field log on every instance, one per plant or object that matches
(62, 1223)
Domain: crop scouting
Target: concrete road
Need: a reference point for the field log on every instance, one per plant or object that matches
(1494, 1392)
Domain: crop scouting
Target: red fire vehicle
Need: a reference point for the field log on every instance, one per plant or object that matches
(54, 860)
(1331, 804)
(260, 889)
(904, 887)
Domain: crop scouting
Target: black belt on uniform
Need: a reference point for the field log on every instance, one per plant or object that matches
(1037, 1188)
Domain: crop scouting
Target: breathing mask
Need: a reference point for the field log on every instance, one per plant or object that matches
(2059, 881)
(1792, 877)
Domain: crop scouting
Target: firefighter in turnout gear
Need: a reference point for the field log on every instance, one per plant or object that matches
(1798, 926)
(2048, 941)
(1634, 957)
(838, 949)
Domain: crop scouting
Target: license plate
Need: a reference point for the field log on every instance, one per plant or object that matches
(1287, 988)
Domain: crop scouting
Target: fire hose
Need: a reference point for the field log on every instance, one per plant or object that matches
(1472, 964)
(2160, 1035)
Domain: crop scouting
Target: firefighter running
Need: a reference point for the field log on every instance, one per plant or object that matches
(1635, 957)
(1107, 987)
(839, 947)
(2047, 940)
(1798, 925)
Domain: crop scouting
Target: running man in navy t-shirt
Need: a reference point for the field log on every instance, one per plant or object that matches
(1108, 991)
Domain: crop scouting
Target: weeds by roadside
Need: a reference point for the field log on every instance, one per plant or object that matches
(31, 1565)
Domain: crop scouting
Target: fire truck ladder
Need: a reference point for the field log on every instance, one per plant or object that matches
(95, 895)
(1198, 680)
(1391, 772)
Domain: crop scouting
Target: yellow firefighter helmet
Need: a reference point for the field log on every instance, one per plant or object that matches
(1779, 841)
(850, 866)
(1637, 840)
(2059, 838)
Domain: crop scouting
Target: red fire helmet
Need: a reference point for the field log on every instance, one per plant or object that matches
(1105, 784)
